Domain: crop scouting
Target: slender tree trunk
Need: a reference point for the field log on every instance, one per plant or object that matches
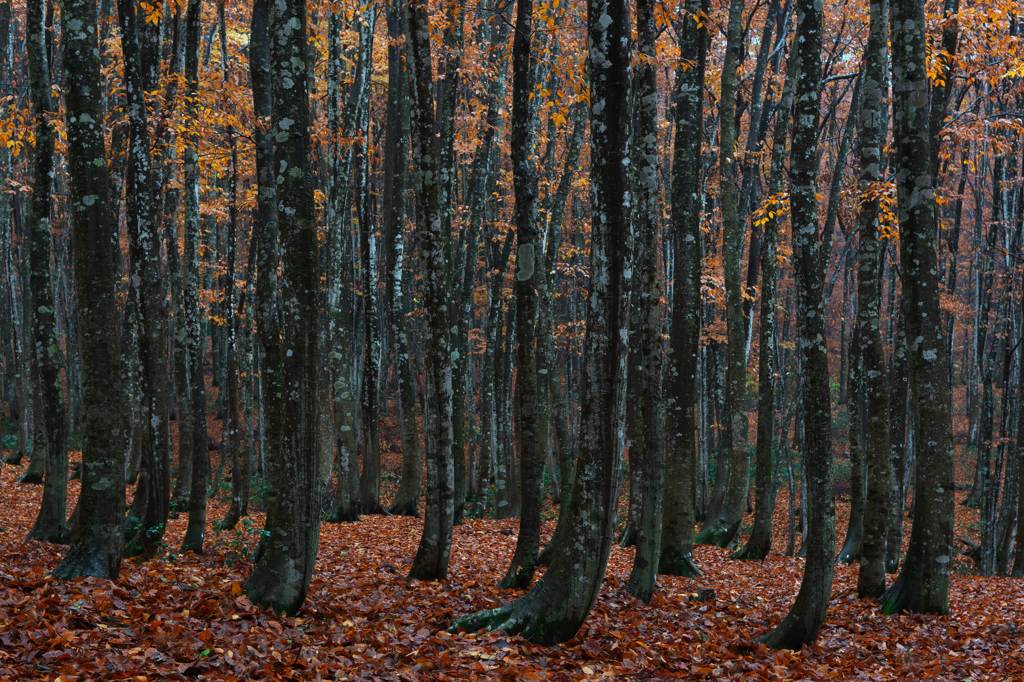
(649, 451)
(760, 541)
(50, 523)
(195, 339)
(804, 620)
(678, 514)
(721, 528)
(431, 561)
(873, 424)
(557, 605)
(529, 269)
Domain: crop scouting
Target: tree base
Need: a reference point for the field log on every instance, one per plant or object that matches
(343, 516)
(527, 617)
(408, 508)
(267, 587)
(678, 564)
(53, 533)
(789, 634)
(850, 551)
(909, 595)
(519, 575)
(754, 550)
(15, 457)
(720, 534)
(31, 478)
(86, 560)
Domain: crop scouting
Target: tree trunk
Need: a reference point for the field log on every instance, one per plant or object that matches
(649, 441)
(50, 523)
(431, 561)
(923, 584)
(873, 423)
(557, 605)
(804, 620)
(760, 541)
(287, 312)
(721, 528)
(195, 339)
(98, 535)
(678, 513)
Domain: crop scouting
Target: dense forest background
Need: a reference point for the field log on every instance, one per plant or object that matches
(367, 337)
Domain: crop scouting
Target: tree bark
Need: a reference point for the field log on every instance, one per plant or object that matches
(98, 534)
(287, 315)
(804, 620)
(557, 605)
(923, 584)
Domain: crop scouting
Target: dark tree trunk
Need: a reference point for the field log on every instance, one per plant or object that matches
(873, 424)
(804, 620)
(557, 605)
(760, 541)
(678, 513)
(287, 314)
(923, 583)
(529, 269)
(195, 344)
(647, 446)
(721, 527)
(97, 536)
(431, 561)
(50, 523)
(148, 517)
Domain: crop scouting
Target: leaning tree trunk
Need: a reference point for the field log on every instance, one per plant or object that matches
(98, 534)
(287, 317)
(431, 561)
(50, 523)
(923, 583)
(557, 605)
(804, 620)
(873, 424)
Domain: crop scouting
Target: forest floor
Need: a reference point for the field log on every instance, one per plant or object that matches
(181, 616)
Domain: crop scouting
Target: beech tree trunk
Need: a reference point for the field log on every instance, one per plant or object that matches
(722, 526)
(97, 537)
(804, 620)
(50, 525)
(873, 424)
(557, 605)
(923, 583)
(287, 315)
(431, 561)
